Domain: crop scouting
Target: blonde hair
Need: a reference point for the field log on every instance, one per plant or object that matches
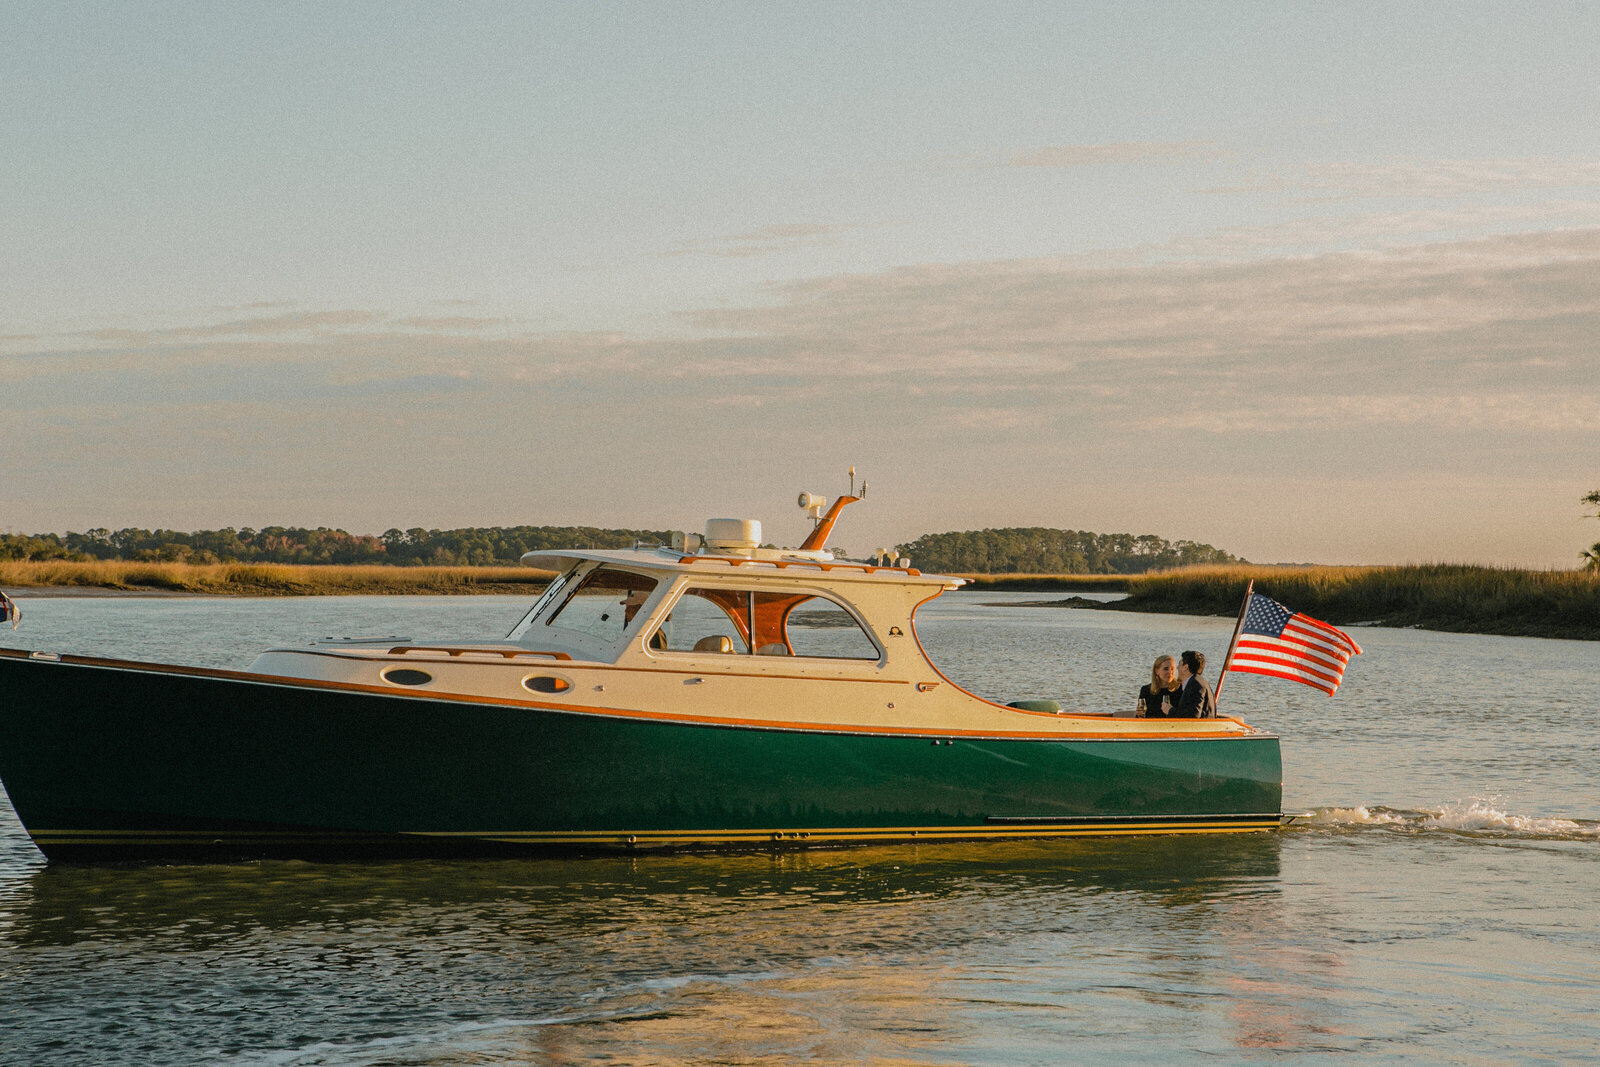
(1155, 677)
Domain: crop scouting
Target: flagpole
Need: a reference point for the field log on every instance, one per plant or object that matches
(1238, 628)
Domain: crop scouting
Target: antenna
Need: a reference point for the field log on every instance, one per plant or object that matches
(852, 481)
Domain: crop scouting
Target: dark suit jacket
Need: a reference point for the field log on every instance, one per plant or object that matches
(1195, 700)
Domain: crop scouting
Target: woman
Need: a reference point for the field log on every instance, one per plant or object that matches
(1157, 699)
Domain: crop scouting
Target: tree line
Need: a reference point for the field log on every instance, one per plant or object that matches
(1009, 551)
(1037, 550)
(472, 547)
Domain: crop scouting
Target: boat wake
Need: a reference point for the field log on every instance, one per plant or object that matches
(1476, 817)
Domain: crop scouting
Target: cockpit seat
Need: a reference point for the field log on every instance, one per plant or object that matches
(775, 648)
(714, 643)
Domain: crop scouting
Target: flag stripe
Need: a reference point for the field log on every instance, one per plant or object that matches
(1293, 677)
(1311, 636)
(1321, 635)
(1333, 633)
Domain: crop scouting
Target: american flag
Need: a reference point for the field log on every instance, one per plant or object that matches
(1287, 644)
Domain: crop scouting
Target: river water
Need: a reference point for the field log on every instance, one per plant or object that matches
(1439, 905)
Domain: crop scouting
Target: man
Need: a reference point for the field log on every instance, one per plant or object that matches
(1194, 695)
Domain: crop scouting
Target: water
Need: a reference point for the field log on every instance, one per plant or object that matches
(1438, 905)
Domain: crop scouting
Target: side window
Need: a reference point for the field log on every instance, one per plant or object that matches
(769, 624)
(605, 604)
(819, 627)
(701, 621)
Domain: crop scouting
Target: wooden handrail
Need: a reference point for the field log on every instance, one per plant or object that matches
(739, 561)
(400, 650)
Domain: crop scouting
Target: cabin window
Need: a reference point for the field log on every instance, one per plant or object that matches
(605, 604)
(407, 676)
(698, 622)
(820, 627)
(742, 621)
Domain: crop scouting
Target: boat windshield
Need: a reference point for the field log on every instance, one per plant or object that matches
(605, 604)
(546, 598)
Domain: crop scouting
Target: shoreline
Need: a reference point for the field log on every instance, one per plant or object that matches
(1446, 598)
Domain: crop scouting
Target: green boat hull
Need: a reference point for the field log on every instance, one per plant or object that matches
(112, 761)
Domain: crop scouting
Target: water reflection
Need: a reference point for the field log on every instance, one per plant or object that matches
(857, 955)
(190, 907)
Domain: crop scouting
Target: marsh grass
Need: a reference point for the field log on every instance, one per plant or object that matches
(1441, 596)
(1436, 596)
(267, 579)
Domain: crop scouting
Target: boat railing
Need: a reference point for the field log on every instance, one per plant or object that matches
(504, 653)
(780, 564)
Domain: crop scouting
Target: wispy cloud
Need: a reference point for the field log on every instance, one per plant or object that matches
(767, 240)
(453, 323)
(290, 323)
(1430, 179)
(1385, 230)
(1119, 153)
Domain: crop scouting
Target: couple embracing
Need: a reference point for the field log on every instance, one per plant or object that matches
(1176, 690)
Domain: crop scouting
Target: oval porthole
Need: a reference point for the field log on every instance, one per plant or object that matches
(407, 676)
(544, 683)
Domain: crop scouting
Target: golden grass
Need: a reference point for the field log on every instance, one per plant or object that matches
(1440, 596)
(267, 579)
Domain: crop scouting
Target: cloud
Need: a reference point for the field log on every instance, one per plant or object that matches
(1554, 412)
(765, 241)
(453, 323)
(1425, 178)
(290, 323)
(1119, 153)
(1495, 318)
(1377, 231)
(1452, 364)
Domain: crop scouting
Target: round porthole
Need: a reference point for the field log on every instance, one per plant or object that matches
(407, 676)
(544, 683)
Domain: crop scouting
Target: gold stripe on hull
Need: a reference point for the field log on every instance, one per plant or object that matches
(642, 839)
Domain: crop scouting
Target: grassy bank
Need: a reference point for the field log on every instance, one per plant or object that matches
(1451, 597)
(267, 579)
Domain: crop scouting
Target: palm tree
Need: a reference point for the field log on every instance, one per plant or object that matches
(1591, 556)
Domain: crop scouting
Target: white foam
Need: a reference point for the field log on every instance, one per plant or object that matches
(1482, 815)
(1356, 816)
(1475, 815)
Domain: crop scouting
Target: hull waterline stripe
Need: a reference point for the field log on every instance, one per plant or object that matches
(1111, 825)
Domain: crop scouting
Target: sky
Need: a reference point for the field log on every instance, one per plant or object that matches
(1311, 282)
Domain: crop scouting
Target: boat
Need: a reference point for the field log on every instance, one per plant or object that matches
(713, 693)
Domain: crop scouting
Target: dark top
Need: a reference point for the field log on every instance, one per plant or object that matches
(1158, 703)
(1195, 700)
